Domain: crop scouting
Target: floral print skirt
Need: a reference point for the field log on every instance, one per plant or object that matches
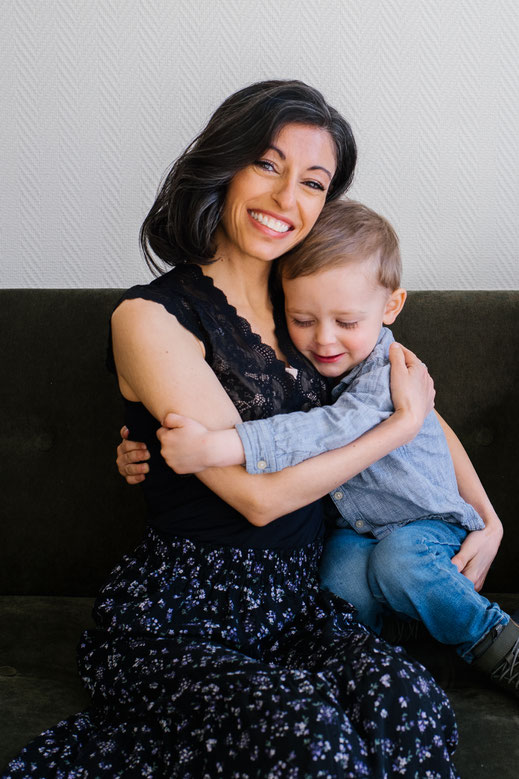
(222, 662)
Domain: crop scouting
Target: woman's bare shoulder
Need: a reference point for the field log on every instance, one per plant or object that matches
(135, 309)
(148, 321)
(149, 341)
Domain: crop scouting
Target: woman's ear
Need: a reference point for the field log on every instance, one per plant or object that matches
(394, 305)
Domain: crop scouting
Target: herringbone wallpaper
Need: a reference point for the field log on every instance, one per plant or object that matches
(99, 96)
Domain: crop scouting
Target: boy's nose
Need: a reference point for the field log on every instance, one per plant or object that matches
(324, 335)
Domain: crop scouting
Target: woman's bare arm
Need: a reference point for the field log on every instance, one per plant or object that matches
(162, 365)
(192, 448)
(263, 498)
(159, 363)
(480, 547)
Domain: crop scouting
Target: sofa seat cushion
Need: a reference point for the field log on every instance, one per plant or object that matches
(39, 684)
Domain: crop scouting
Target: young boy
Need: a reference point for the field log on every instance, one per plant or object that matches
(400, 521)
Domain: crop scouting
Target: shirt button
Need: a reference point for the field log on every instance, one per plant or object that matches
(262, 464)
(338, 495)
(359, 523)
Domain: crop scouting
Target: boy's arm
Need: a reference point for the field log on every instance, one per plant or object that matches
(480, 547)
(278, 442)
(273, 444)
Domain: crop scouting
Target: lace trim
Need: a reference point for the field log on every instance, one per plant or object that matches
(305, 382)
(255, 338)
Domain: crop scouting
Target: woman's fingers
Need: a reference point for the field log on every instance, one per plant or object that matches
(403, 358)
(412, 389)
(133, 469)
(134, 458)
(406, 356)
(135, 479)
(125, 447)
(476, 555)
(410, 357)
(130, 459)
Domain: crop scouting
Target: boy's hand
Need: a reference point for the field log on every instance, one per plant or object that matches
(184, 444)
(189, 447)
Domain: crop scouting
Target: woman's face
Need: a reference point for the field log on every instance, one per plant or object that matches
(272, 204)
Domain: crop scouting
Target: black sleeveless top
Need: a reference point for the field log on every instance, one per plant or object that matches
(259, 386)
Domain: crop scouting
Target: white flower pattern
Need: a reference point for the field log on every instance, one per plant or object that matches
(186, 684)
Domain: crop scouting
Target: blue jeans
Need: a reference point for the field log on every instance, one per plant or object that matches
(410, 572)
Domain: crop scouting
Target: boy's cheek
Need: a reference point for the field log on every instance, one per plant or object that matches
(305, 350)
(297, 338)
(301, 343)
(310, 357)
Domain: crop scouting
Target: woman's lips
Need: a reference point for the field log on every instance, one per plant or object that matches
(330, 358)
(269, 223)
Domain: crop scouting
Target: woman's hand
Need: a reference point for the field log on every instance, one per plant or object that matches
(477, 553)
(130, 459)
(412, 389)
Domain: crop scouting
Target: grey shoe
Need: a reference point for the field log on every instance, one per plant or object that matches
(498, 656)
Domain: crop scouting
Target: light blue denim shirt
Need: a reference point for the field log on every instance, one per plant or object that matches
(415, 481)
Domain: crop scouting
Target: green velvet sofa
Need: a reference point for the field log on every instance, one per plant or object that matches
(67, 516)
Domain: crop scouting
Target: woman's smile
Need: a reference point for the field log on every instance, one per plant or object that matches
(270, 222)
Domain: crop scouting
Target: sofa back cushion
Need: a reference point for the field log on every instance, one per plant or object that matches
(67, 517)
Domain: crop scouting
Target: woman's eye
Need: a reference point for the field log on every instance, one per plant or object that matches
(315, 185)
(347, 325)
(265, 165)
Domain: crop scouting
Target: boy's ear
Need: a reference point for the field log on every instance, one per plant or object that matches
(394, 305)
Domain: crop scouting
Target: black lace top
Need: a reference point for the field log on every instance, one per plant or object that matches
(259, 385)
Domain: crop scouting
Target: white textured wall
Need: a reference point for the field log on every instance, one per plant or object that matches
(98, 96)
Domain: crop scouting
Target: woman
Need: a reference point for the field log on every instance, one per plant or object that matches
(215, 652)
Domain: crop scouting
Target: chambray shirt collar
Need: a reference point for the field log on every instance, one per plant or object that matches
(379, 353)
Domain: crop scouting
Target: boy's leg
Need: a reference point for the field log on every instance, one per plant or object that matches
(343, 570)
(411, 572)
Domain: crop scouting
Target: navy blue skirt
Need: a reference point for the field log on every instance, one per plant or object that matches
(216, 661)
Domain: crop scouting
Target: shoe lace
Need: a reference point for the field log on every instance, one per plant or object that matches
(508, 668)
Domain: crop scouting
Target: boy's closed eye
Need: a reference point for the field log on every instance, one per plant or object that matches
(310, 322)
(302, 322)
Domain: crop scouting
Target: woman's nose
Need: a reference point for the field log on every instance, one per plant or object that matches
(285, 193)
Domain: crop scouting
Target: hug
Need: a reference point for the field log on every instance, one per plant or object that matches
(244, 635)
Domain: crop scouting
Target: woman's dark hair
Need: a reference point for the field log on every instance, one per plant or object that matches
(181, 224)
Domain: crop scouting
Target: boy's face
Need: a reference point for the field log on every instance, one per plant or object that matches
(334, 316)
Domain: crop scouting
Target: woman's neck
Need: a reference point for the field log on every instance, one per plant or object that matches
(244, 280)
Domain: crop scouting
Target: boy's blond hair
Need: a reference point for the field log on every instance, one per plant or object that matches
(346, 231)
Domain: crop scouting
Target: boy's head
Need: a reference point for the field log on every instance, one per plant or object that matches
(341, 284)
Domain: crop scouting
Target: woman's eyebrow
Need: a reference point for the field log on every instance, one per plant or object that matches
(313, 167)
